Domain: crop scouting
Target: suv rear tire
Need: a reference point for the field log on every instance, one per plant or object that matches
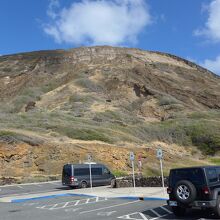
(178, 211)
(185, 192)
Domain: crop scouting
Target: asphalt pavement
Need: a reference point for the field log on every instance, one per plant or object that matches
(84, 206)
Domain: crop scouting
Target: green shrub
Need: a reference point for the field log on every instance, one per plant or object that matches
(204, 136)
(215, 161)
(85, 134)
(89, 84)
(19, 103)
(80, 98)
(119, 173)
(7, 133)
(168, 100)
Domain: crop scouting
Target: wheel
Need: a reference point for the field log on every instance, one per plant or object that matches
(83, 184)
(217, 208)
(113, 183)
(178, 211)
(185, 192)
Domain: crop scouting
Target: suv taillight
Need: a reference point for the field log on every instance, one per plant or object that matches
(206, 190)
(169, 190)
(71, 178)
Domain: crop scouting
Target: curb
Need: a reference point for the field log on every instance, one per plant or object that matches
(85, 195)
(141, 198)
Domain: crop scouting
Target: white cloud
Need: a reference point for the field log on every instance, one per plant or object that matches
(96, 22)
(51, 11)
(212, 25)
(213, 65)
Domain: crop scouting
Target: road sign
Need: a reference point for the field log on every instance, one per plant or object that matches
(132, 156)
(160, 157)
(89, 157)
(159, 154)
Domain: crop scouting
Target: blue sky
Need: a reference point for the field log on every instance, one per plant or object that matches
(186, 28)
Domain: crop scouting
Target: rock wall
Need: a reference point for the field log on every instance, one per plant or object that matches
(140, 181)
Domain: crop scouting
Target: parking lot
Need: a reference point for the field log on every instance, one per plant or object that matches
(79, 206)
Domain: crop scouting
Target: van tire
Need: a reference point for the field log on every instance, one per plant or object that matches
(83, 184)
(113, 183)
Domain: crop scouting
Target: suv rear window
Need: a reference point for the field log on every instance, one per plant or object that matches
(212, 175)
(194, 175)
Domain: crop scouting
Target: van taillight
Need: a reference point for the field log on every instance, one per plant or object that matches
(206, 190)
(169, 190)
(72, 178)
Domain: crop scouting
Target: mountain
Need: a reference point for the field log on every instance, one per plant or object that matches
(58, 106)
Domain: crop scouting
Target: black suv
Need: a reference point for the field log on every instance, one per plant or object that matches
(194, 187)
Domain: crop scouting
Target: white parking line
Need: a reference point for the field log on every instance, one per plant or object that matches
(139, 216)
(159, 217)
(72, 203)
(155, 213)
(105, 213)
(38, 185)
(65, 204)
(108, 207)
(77, 202)
(165, 209)
(142, 216)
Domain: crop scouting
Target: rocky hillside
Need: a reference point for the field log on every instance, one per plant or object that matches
(56, 106)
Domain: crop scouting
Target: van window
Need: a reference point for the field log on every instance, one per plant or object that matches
(81, 171)
(212, 175)
(96, 171)
(67, 171)
(106, 171)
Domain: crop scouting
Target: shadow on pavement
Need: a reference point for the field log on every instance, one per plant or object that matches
(64, 188)
(190, 214)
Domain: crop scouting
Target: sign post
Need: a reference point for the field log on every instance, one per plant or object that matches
(132, 164)
(90, 169)
(140, 163)
(160, 157)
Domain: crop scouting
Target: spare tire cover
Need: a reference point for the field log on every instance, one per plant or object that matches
(185, 192)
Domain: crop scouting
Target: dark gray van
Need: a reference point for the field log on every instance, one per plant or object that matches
(77, 175)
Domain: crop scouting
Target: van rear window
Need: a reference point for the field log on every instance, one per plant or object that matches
(67, 171)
